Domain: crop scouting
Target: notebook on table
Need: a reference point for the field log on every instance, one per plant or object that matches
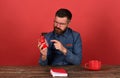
(58, 72)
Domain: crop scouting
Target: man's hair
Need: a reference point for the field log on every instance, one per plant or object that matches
(64, 13)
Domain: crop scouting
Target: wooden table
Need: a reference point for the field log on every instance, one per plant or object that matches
(44, 72)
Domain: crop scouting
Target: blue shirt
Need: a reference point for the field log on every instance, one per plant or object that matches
(71, 40)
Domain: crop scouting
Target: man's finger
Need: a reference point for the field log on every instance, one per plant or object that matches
(55, 41)
(41, 46)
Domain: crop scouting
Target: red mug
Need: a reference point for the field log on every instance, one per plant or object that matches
(93, 65)
(42, 41)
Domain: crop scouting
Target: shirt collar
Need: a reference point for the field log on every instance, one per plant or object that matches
(65, 34)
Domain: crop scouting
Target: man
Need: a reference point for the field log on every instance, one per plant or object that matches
(64, 44)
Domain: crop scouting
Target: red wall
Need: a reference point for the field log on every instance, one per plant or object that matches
(22, 21)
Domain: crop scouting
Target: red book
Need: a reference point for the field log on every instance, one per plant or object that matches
(58, 72)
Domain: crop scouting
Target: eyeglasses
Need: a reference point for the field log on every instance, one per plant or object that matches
(59, 23)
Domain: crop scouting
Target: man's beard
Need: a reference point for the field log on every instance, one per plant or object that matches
(59, 31)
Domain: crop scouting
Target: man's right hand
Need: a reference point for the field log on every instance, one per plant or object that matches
(43, 51)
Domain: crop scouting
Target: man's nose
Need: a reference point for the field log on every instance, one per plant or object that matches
(58, 25)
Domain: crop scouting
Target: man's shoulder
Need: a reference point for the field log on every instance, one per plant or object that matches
(74, 32)
(49, 34)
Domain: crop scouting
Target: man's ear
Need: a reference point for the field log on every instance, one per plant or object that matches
(69, 22)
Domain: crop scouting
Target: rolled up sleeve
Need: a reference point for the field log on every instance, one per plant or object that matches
(43, 63)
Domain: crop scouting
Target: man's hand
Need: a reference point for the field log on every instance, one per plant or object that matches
(43, 51)
(58, 45)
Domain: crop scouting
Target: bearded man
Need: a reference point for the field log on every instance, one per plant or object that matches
(64, 44)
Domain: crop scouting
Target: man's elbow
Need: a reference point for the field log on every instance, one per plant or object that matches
(77, 63)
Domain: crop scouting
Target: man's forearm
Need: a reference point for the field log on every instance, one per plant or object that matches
(43, 57)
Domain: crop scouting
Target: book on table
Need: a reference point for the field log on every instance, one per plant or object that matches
(58, 72)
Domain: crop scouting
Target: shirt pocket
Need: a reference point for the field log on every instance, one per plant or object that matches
(69, 46)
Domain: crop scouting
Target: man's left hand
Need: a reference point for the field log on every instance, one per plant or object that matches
(58, 45)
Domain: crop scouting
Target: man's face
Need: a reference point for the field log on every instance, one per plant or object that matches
(60, 24)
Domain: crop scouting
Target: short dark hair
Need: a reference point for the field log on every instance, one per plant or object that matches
(62, 12)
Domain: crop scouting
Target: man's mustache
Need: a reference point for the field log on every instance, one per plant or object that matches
(57, 28)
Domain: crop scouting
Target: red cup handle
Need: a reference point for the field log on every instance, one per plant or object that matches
(86, 65)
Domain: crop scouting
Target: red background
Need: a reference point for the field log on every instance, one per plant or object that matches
(22, 21)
